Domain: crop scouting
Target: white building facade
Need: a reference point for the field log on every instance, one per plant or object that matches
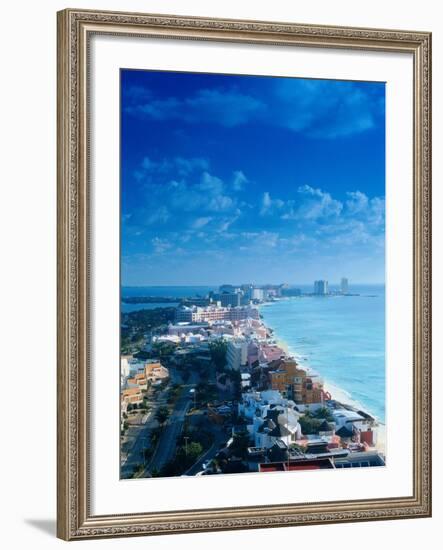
(237, 354)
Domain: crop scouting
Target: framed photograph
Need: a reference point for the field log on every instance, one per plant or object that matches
(244, 294)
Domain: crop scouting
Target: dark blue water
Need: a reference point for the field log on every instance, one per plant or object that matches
(127, 308)
(167, 291)
(163, 291)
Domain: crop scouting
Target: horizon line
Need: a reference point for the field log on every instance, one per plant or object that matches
(240, 284)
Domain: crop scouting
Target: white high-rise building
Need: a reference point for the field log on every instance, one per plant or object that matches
(344, 285)
(257, 294)
(321, 288)
(237, 354)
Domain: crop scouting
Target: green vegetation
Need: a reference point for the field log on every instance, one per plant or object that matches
(205, 393)
(149, 300)
(136, 324)
(163, 349)
(310, 423)
(296, 447)
(185, 457)
(162, 415)
(323, 414)
(218, 351)
(174, 393)
(240, 444)
(194, 441)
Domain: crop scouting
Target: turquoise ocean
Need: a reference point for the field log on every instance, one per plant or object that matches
(342, 338)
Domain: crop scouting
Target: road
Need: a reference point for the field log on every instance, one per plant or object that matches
(220, 437)
(166, 445)
(137, 439)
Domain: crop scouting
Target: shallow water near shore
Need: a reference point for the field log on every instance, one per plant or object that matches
(340, 337)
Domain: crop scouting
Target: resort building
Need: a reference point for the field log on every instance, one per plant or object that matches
(355, 426)
(155, 371)
(139, 381)
(253, 352)
(288, 378)
(271, 418)
(183, 327)
(321, 288)
(129, 367)
(132, 396)
(257, 294)
(125, 368)
(212, 314)
(270, 352)
(363, 459)
(229, 289)
(237, 354)
(231, 299)
(168, 338)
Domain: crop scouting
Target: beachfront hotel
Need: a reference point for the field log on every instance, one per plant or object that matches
(288, 378)
(321, 288)
(213, 313)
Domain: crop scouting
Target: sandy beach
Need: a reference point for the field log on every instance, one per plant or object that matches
(340, 395)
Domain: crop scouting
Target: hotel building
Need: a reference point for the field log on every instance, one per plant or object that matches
(212, 314)
(288, 378)
(237, 354)
(321, 288)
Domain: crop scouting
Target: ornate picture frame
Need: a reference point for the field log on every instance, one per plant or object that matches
(75, 29)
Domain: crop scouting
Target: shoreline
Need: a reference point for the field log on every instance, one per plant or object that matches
(338, 394)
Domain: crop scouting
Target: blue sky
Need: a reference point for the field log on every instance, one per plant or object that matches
(231, 179)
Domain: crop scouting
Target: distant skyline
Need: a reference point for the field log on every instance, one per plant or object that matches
(236, 283)
(230, 179)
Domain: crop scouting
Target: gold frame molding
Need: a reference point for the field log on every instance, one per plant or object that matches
(74, 519)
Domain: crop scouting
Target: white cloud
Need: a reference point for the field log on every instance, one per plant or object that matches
(239, 181)
(201, 222)
(160, 245)
(317, 204)
(377, 211)
(357, 202)
(270, 205)
(179, 166)
(319, 108)
(159, 215)
(226, 107)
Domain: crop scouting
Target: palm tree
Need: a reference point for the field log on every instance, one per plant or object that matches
(162, 415)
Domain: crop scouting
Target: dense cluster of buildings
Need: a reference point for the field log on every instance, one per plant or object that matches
(215, 312)
(135, 378)
(232, 296)
(291, 421)
(278, 394)
(321, 287)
